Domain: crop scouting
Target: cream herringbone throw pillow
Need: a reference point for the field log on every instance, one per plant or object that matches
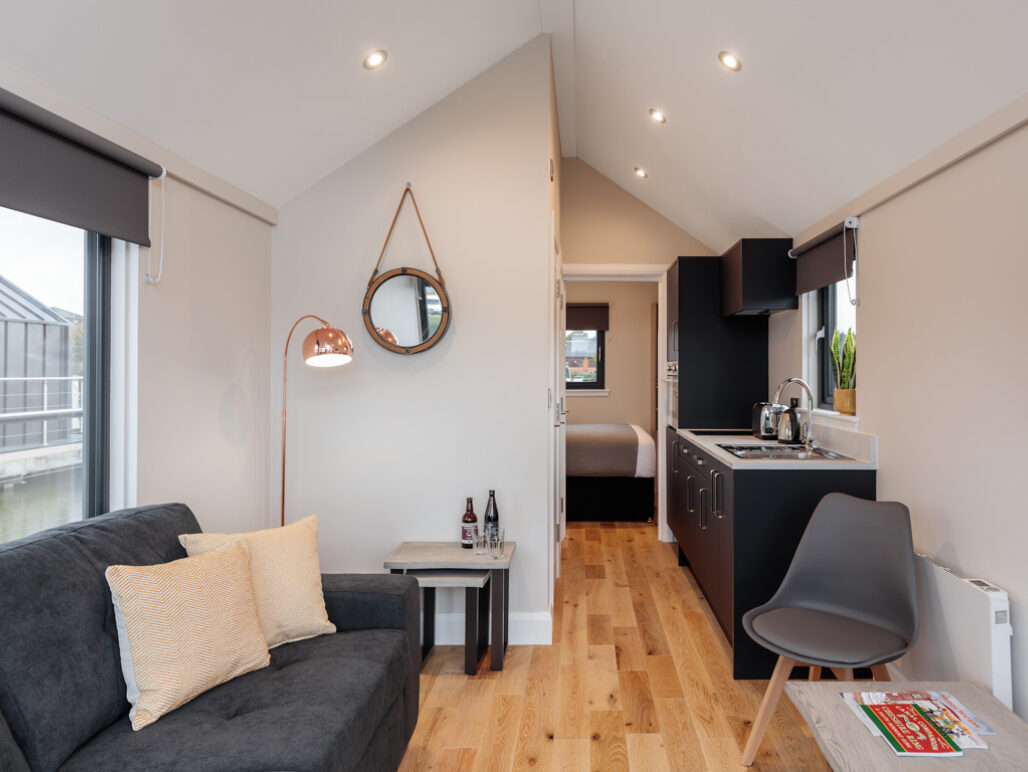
(184, 627)
(286, 578)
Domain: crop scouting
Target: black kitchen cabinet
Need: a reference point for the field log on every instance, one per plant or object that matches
(722, 361)
(758, 277)
(671, 312)
(738, 529)
(672, 488)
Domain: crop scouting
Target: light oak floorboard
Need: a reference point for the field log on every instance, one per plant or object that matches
(638, 678)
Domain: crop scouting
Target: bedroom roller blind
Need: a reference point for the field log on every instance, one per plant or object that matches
(52, 168)
(587, 316)
(820, 261)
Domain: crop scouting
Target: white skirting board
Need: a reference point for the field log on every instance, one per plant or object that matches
(965, 631)
(526, 629)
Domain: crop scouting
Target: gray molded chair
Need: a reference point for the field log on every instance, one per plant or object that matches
(848, 600)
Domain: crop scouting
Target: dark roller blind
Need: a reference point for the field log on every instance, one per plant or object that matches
(52, 168)
(819, 261)
(588, 316)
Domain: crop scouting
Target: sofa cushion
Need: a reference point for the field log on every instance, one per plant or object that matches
(184, 627)
(286, 577)
(314, 708)
(60, 672)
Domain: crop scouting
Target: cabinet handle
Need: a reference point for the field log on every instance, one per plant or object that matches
(716, 493)
(674, 327)
(703, 527)
(689, 490)
(674, 457)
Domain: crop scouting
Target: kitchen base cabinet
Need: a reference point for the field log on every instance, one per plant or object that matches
(738, 529)
(771, 511)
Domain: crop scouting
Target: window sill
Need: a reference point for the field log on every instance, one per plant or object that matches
(821, 415)
(587, 392)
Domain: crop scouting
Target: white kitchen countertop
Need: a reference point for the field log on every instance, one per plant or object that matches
(710, 442)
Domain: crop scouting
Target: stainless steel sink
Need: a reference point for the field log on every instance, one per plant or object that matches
(782, 452)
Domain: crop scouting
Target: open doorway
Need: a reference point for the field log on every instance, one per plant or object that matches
(614, 391)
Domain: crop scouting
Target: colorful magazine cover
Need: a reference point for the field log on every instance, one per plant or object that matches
(909, 731)
(947, 713)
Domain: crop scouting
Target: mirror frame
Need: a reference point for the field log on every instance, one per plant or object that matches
(440, 290)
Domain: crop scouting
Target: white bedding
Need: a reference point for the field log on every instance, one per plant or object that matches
(646, 460)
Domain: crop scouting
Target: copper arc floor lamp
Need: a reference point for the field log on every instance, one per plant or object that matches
(325, 347)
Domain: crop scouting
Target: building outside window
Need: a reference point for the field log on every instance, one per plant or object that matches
(584, 360)
(49, 299)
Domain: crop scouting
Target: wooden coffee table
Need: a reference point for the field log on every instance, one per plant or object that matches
(450, 555)
(849, 746)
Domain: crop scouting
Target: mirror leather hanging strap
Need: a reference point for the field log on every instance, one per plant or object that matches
(407, 191)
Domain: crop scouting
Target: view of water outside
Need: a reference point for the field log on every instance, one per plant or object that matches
(41, 361)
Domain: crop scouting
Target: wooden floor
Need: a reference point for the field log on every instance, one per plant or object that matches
(637, 679)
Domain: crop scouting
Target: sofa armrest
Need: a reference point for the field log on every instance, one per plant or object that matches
(362, 601)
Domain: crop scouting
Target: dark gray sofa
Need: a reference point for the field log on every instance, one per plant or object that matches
(347, 701)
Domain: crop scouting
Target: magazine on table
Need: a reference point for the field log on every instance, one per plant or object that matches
(944, 710)
(909, 731)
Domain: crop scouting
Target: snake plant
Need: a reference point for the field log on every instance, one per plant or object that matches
(844, 361)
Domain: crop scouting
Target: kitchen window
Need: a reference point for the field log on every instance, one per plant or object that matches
(835, 311)
(54, 366)
(583, 359)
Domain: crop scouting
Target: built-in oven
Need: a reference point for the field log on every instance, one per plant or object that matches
(671, 395)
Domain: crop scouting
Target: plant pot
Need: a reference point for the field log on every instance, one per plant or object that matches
(845, 401)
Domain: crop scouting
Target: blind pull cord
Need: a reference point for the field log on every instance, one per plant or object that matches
(148, 277)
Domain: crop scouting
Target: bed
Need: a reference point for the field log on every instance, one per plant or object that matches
(610, 471)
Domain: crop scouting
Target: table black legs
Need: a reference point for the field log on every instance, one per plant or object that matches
(500, 592)
(476, 627)
(428, 629)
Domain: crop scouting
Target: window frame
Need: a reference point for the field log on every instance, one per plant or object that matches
(826, 311)
(601, 366)
(96, 382)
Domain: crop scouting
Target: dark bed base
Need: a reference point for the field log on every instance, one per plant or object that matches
(610, 498)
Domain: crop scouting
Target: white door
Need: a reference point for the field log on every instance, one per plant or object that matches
(557, 409)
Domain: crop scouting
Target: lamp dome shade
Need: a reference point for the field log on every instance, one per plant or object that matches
(327, 347)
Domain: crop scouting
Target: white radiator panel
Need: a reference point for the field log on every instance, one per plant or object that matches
(965, 631)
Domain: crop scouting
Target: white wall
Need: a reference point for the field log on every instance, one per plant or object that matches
(203, 362)
(387, 448)
(941, 370)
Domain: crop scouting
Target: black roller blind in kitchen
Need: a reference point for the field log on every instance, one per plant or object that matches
(52, 168)
(587, 316)
(821, 261)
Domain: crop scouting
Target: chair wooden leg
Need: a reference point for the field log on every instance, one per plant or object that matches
(767, 709)
(880, 673)
(815, 673)
(843, 673)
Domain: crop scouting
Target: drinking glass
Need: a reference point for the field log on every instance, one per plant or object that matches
(481, 543)
(496, 544)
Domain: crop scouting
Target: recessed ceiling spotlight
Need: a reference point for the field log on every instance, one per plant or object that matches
(658, 116)
(730, 61)
(375, 59)
(641, 173)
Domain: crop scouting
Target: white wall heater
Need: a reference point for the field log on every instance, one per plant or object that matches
(965, 631)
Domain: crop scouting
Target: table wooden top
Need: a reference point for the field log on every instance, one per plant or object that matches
(849, 746)
(445, 554)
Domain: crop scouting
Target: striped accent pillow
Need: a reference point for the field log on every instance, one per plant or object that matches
(184, 627)
(286, 578)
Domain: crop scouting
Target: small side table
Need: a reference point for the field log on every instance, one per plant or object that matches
(418, 555)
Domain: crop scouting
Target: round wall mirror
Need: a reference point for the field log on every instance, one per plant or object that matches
(406, 310)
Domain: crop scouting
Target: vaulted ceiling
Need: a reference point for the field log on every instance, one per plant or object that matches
(832, 97)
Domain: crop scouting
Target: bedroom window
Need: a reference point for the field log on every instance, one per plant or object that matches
(54, 313)
(584, 360)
